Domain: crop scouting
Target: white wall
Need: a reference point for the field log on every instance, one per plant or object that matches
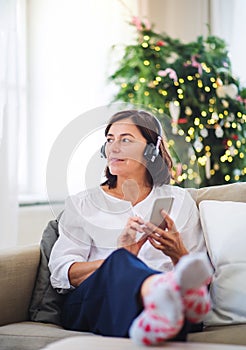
(32, 222)
(182, 19)
(187, 19)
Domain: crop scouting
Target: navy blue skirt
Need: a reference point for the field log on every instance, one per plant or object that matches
(109, 300)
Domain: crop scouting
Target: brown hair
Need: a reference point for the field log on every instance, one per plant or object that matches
(159, 171)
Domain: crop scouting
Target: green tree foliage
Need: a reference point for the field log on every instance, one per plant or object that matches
(199, 101)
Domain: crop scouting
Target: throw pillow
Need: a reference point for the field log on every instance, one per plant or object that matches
(224, 228)
(45, 304)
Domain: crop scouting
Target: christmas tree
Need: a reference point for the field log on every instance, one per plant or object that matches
(201, 104)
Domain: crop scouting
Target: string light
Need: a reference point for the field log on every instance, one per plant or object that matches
(191, 131)
(196, 121)
(200, 83)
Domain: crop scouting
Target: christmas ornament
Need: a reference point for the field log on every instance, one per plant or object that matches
(219, 132)
(230, 90)
(174, 109)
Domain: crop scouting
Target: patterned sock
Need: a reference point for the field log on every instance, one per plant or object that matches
(172, 295)
(193, 273)
(197, 304)
(162, 317)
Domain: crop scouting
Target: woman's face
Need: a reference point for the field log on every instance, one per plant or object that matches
(124, 149)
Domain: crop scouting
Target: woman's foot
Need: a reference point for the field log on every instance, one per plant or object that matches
(193, 274)
(193, 271)
(196, 304)
(162, 317)
(171, 297)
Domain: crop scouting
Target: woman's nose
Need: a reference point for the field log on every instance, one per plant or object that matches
(114, 146)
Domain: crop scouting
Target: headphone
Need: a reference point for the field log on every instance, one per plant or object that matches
(151, 151)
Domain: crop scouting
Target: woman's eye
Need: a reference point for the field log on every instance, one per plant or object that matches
(125, 139)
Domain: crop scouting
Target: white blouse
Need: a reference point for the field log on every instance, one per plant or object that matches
(92, 221)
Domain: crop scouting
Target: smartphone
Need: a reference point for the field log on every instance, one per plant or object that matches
(160, 203)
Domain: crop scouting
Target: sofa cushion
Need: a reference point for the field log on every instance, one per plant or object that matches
(32, 335)
(233, 334)
(114, 343)
(46, 303)
(224, 228)
(235, 192)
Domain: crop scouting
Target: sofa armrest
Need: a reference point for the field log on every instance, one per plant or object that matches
(18, 270)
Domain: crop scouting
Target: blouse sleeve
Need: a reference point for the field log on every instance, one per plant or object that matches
(72, 245)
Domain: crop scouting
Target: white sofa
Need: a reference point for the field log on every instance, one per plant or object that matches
(222, 209)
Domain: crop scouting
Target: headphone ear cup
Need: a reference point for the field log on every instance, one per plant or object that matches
(150, 152)
(103, 152)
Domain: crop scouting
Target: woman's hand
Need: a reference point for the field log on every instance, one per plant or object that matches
(167, 239)
(128, 238)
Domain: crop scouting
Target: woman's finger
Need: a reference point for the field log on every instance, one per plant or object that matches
(137, 219)
(155, 243)
(169, 221)
(149, 227)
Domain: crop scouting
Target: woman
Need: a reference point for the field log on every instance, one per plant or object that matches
(126, 276)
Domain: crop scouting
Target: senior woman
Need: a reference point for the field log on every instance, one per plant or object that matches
(125, 276)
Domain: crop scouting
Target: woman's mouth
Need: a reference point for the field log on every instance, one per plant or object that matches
(115, 160)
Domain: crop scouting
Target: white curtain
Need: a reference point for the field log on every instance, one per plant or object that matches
(228, 22)
(9, 120)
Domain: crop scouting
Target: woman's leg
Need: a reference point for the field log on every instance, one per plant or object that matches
(108, 301)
